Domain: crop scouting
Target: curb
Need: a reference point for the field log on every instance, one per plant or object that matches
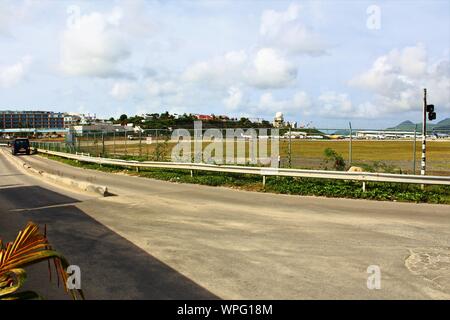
(68, 182)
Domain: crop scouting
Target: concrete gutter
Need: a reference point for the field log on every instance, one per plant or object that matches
(55, 179)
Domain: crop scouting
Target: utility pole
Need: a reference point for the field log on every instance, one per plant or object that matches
(414, 150)
(350, 145)
(427, 108)
(290, 147)
(424, 134)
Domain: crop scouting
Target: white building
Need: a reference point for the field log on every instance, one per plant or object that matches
(100, 127)
(73, 119)
(383, 134)
(278, 121)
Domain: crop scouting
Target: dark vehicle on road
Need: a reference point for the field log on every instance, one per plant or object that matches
(20, 145)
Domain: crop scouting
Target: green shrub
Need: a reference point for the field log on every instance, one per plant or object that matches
(337, 161)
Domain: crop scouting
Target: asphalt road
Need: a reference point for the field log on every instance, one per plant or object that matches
(111, 266)
(161, 240)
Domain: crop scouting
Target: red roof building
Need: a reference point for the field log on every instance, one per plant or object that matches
(203, 117)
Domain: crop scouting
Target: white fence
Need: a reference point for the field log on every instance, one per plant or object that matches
(262, 171)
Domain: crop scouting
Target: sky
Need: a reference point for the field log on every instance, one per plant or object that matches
(319, 62)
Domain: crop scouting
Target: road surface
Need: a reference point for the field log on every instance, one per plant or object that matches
(162, 240)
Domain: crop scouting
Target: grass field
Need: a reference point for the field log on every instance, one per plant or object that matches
(308, 154)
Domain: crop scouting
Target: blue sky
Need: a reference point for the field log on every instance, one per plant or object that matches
(328, 62)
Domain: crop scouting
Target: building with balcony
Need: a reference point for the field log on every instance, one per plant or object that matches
(31, 119)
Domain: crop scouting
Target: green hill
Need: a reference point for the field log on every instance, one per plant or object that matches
(409, 125)
(405, 126)
(443, 125)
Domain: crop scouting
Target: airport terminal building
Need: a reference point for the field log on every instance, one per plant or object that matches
(31, 119)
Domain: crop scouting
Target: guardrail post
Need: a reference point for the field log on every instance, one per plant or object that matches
(103, 144)
(114, 143)
(264, 181)
(137, 169)
(125, 136)
(140, 143)
(364, 186)
(192, 173)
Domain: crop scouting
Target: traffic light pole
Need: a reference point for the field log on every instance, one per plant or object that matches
(424, 133)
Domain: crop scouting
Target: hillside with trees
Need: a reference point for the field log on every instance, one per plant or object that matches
(166, 120)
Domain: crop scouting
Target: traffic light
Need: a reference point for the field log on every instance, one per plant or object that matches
(432, 116)
(431, 113)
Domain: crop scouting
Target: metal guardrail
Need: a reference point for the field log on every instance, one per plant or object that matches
(263, 171)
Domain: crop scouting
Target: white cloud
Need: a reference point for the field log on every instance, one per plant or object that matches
(272, 21)
(220, 71)
(397, 80)
(271, 70)
(267, 68)
(234, 99)
(335, 103)
(162, 88)
(300, 102)
(13, 74)
(93, 45)
(332, 104)
(329, 104)
(284, 30)
(122, 90)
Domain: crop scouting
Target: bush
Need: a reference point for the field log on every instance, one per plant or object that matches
(336, 159)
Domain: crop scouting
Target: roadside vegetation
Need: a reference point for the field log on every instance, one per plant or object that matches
(286, 185)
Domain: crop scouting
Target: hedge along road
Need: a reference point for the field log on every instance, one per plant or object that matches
(239, 244)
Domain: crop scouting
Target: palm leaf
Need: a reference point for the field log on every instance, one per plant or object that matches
(11, 281)
(30, 247)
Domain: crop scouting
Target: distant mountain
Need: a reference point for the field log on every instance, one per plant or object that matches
(405, 126)
(444, 122)
(409, 125)
(443, 125)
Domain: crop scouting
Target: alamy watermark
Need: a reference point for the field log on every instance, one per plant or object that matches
(374, 279)
(373, 21)
(241, 146)
(74, 16)
(73, 281)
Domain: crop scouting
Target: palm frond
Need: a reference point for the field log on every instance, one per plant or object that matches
(11, 281)
(29, 247)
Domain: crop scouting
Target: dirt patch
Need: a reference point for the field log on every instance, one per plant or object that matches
(433, 264)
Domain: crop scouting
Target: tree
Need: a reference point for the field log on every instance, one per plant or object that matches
(266, 124)
(123, 119)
